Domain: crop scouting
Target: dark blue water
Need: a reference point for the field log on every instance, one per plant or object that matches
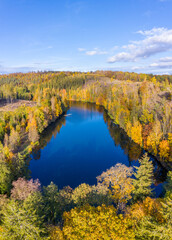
(80, 146)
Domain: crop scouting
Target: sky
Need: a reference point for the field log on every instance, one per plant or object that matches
(86, 35)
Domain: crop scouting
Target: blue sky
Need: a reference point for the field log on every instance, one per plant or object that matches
(86, 35)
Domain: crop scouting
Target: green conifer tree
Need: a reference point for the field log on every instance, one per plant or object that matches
(20, 223)
(143, 179)
(168, 186)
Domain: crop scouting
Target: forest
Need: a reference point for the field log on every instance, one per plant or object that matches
(122, 205)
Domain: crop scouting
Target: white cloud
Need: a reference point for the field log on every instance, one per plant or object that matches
(152, 32)
(81, 49)
(165, 59)
(96, 51)
(161, 65)
(155, 41)
(91, 53)
(165, 62)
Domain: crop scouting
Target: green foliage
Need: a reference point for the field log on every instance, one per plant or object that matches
(143, 179)
(56, 202)
(168, 186)
(2, 130)
(81, 194)
(19, 167)
(5, 177)
(35, 202)
(150, 228)
(20, 223)
(141, 109)
(146, 117)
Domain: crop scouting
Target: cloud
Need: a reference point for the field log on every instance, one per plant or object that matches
(6, 70)
(81, 49)
(161, 65)
(155, 41)
(50, 64)
(96, 51)
(165, 59)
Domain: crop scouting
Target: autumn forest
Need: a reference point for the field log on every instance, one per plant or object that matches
(122, 205)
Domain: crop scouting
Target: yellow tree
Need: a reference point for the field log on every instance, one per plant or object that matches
(118, 180)
(164, 149)
(32, 129)
(136, 133)
(92, 223)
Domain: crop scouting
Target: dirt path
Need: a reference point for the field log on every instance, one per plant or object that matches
(6, 106)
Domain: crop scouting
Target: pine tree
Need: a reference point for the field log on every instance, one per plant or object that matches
(20, 223)
(5, 177)
(143, 179)
(168, 186)
(151, 228)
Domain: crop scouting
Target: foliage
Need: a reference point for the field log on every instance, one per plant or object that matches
(118, 180)
(56, 202)
(23, 188)
(143, 178)
(5, 177)
(151, 228)
(81, 193)
(139, 103)
(20, 223)
(96, 223)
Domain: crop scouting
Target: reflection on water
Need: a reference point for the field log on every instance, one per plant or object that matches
(81, 145)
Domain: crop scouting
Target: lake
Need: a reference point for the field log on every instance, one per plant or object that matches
(81, 145)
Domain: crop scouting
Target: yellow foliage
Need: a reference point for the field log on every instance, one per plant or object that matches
(136, 133)
(92, 223)
(170, 138)
(56, 233)
(149, 207)
(164, 149)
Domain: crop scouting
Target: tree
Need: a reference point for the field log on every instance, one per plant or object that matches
(164, 149)
(143, 179)
(5, 177)
(56, 233)
(32, 129)
(20, 223)
(88, 222)
(118, 180)
(168, 186)
(56, 202)
(154, 228)
(14, 139)
(136, 133)
(19, 167)
(81, 193)
(22, 188)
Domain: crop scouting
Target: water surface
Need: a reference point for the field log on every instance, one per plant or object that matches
(81, 145)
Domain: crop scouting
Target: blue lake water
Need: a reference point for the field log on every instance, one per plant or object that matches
(81, 145)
